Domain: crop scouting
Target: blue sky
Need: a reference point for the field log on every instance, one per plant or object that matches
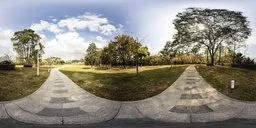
(68, 26)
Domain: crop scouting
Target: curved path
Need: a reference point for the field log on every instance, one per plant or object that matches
(189, 99)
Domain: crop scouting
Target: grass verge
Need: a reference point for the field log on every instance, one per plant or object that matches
(220, 78)
(20, 82)
(124, 84)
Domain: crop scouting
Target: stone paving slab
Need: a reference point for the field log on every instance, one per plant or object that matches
(3, 114)
(129, 111)
(24, 116)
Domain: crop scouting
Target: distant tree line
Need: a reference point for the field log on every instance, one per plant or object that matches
(124, 51)
(210, 36)
(53, 61)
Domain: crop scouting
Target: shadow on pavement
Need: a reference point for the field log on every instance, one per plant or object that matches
(138, 123)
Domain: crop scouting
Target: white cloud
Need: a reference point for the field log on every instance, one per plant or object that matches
(66, 45)
(67, 42)
(100, 39)
(107, 29)
(92, 22)
(44, 25)
(43, 37)
(5, 42)
(54, 20)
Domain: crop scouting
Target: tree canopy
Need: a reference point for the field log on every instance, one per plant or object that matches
(210, 28)
(126, 47)
(24, 43)
(143, 53)
(92, 54)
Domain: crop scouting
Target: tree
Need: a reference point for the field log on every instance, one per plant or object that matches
(142, 53)
(24, 43)
(154, 60)
(54, 61)
(92, 56)
(168, 52)
(210, 28)
(126, 47)
(109, 54)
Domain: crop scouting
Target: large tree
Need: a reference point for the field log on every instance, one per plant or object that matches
(143, 53)
(92, 54)
(24, 43)
(210, 28)
(126, 47)
(109, 54)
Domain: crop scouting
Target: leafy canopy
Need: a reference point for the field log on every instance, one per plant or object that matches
(210, 28)
(24, 43)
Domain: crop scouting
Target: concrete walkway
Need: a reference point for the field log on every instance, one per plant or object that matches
(189, 99)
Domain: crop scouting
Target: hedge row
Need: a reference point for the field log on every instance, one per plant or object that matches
(248, 66)
(7, 66)
(27, 65)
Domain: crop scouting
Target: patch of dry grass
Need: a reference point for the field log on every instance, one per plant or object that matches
(124, 84)
(220, 78)
(20, 82)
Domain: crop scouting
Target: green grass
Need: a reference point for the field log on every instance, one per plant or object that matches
(124, 84)
(20, 82)
(220, 78)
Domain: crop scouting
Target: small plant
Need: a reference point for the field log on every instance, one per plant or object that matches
(7, 65)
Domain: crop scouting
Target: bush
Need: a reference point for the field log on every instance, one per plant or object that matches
(28, 65)
(7, 65)
(240, 59)
(247, 66)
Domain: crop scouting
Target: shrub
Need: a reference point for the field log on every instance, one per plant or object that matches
(28, 65)
(7, 65)
(248, 66)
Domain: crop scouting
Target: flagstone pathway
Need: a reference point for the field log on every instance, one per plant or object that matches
(189, 99)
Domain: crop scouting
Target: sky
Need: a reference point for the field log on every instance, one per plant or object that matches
(67, 27)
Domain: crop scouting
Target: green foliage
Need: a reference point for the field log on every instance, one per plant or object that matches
(182, 58)
(210, 28)
(7, 65)
(122, 51)
(143, 53)
(126, 47)
(24, 43)
(53, 61)
(93, 54)
(155, 60)
(170, 49)
(240, 59)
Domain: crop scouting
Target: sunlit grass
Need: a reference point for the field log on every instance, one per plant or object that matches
(20, 82)
(93, 69)
(123, 84)
(220, 78)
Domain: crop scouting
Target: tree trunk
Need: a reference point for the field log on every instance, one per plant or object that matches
(140, 61)
(124, 64)
(110, 65)
(212, 59)
(137, 66)
(220, 56)
(207, 60)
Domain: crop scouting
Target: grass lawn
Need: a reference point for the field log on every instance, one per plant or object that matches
(124, 84)
(220, 78)
(20, 82)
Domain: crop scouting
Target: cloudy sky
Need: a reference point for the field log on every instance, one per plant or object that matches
(67, 27)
